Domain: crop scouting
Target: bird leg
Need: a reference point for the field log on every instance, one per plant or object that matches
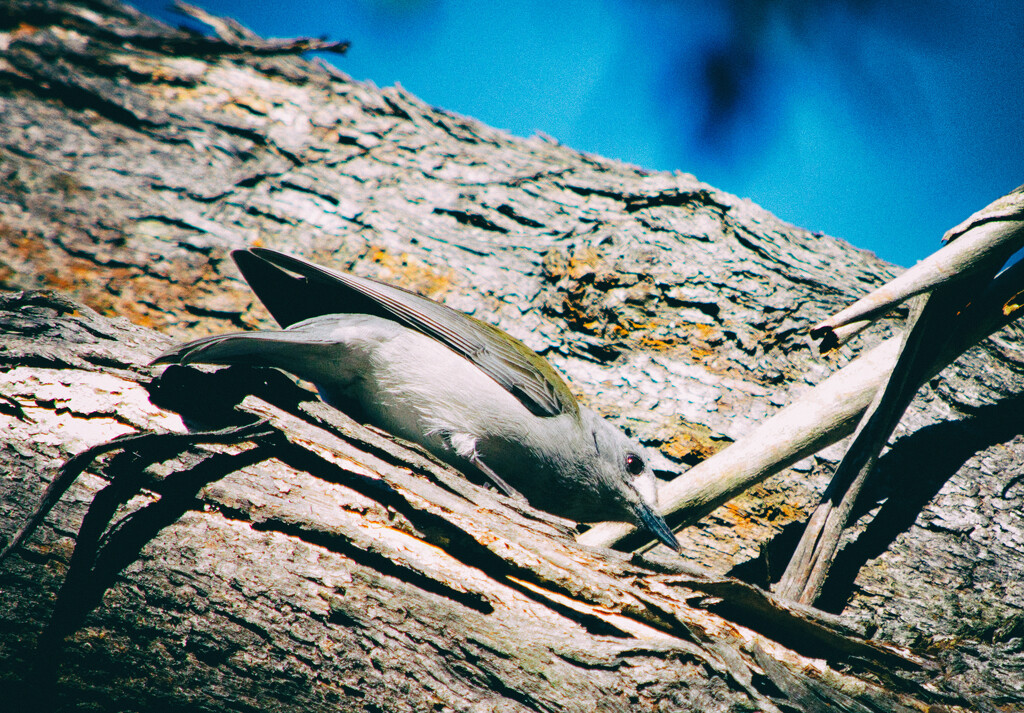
(497, 479)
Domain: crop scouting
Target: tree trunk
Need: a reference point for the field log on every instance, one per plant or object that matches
(318, 565)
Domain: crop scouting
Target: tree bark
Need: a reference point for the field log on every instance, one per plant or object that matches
(324, 566)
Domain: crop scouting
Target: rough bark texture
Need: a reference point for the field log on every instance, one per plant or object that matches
(325, 567)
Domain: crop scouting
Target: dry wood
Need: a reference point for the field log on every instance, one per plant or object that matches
(936, 317)
(513, 576)
(134, 156)
(824, 415)
(989, 236)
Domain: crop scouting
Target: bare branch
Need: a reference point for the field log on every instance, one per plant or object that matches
(936, 317)
(991, 235)
(824, 415)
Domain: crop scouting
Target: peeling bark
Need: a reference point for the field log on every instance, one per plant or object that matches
(327, 567)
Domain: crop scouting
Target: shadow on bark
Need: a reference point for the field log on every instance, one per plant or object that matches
(105, 545)
(932, 455)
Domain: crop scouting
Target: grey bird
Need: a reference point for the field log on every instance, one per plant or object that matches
(467, 391)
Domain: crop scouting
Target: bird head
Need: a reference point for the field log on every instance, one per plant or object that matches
(621, 468)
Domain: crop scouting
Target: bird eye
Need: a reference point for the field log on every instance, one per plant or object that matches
(634, 464)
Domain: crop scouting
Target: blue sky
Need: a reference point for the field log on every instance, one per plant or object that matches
(878, 122)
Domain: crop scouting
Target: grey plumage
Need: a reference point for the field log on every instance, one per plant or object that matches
(462, 388)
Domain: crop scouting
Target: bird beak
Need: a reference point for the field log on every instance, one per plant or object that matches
(657, 526)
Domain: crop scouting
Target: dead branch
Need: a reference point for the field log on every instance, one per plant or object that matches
(823, 416)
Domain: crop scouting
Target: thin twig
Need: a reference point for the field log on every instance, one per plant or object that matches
(992, 234)
(932, 321)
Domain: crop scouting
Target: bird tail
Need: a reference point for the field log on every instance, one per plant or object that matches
(264, 348)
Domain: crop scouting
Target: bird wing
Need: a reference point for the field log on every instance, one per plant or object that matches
(320, 290)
